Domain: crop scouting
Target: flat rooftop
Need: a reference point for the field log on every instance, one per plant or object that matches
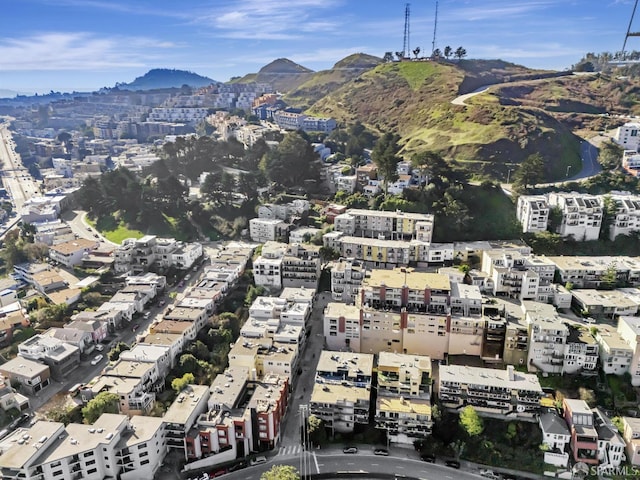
(404, 405)
(24, 367)
(181, 411)
(144, 428)
(332, 394)
(397, 278)
(18, 448)
(396, 361)
(128, 368)
(227, 387)
(356, 363)
(463, 374)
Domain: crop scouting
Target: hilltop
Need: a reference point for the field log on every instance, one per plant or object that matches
(166, 78)
(324, 82)
(283, 74)
(531, 111)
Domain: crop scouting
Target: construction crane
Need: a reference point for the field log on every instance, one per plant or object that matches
(629, 32)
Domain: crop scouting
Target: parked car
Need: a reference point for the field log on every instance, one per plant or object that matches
(162, 303)
(350, 450)
(452, 463)
(490, 474)
(238, 466)
(258, 460)
(381, 451)
(147, 315)
(218, 473)
(97, 359)
(428, 457)
(135, 327)
(99, 347)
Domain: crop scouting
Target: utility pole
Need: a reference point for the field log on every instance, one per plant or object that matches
(305, 461)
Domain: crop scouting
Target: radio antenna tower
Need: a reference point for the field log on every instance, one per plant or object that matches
(406, 52)
(629, 32)
(435, 28)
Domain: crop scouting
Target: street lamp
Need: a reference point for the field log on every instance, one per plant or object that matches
(509, 175)
(568, 168)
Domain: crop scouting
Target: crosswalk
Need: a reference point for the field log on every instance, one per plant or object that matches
(289, 450)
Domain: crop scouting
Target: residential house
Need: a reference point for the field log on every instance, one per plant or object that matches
(584, 436)
(72, 252)
(581, 214)
(262, 230)
(62, 358)
(533, 213)
(629, 330)
(32, 376)
(615, 353)
(631, 434)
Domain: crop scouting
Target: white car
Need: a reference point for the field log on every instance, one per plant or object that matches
(258, 460)
(96, 360)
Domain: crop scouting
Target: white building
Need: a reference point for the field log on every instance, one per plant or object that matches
(629, 329)
(627, 136)
(615, 352)
(533, 213)
(627, 218)
(346, 278)
(581, 214)
(267, 268)
(263, 229)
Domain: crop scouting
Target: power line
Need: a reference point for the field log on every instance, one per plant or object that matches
(629, 32)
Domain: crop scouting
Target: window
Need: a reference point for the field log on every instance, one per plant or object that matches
(87, 454)
(92, 471)
(144, 454)
(57, 472)
(91, 462)
(144, 462)
(142, 445)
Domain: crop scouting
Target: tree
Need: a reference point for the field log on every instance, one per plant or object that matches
(281, 472)
(609, 212)
(253, 293)
(180, 383)
(460, 53)
(388, 57)
(448, 51)
(531, 172)
(115, 352)
(188, 363)
(385, 156)
(610, 155)
(316, 430)
(471, 421)
(104, 402)
(291, 162)
(416, 51)
(436, 53)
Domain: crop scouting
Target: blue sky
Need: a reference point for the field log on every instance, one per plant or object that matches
(66, 45)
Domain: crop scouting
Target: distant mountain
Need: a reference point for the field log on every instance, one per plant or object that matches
(4, 93)
(283, 74)
(166, 78)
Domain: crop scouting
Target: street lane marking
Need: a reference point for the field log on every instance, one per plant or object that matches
(316, 462)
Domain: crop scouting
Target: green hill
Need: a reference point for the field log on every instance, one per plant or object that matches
(166, 78)
(324, 82)
(489, 136)
(283, 74)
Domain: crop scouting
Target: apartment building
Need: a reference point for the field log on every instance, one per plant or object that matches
(584, 436)
(525, 277)
(30, 375)
(516, 342)
(60, 357)
(615, 352)
(403, 404)
(374, 252)
(301, 266)
(631, 434)
(627, 136)
(342, 327)
(629, 330)
(610, 442)
(588, 272)
(603, 303)
(386, 225)
(114, 446)
(533, 213)
(627, 219)
(581, 214)
(262, 230)
(139, 255)
(346, 277)
(504, 394)
(182, 415)
(265, 355)
(267, 268)
(342, 393)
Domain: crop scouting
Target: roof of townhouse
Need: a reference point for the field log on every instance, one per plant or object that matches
(544, 314)
(609, 336)
(126, 297)
(183, 407)
(72, 246)
(579, 335)
(23, 443)
(599, 263)
(605, 428)
(47, 277)
(228, 386)
(87, 325)
(632, 322)
(606, 298)
(398, 277)
(145, 353)
(143, 428)
(490, 377)
(128, 369)
(66, 295)
(265, 395)
(554, 424)
(24, 367)
(171, 326)
(298, 294)
(634, 425)
(577, 406)
(161, 338)
(78, 438)
(336, 309)
(195, 302)
(462, 290)
(117, 385)
(332, 393)
(404, 405)
(389, 214)
(185, 314)
(66, 334)
(356, 363)
(395, 361)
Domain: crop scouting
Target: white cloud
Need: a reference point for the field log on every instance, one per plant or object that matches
(78, 51)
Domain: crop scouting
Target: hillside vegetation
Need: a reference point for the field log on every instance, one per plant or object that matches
(488, 136)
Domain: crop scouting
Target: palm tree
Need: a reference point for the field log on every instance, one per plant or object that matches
(448, 51)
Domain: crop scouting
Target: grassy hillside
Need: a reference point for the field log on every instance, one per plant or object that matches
(283, 74)
(489, 135)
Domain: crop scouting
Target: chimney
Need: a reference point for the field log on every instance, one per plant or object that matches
(511, 372)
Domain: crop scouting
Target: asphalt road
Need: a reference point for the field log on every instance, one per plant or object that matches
(366, 463)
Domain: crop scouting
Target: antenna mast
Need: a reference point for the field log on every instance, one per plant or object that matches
(435, 28)
(405, 47)
(629, 32)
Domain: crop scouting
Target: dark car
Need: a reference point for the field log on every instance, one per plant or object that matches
(238, 466)
(452, 463)
(381, 451)
(428, 457)
(350, 450)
